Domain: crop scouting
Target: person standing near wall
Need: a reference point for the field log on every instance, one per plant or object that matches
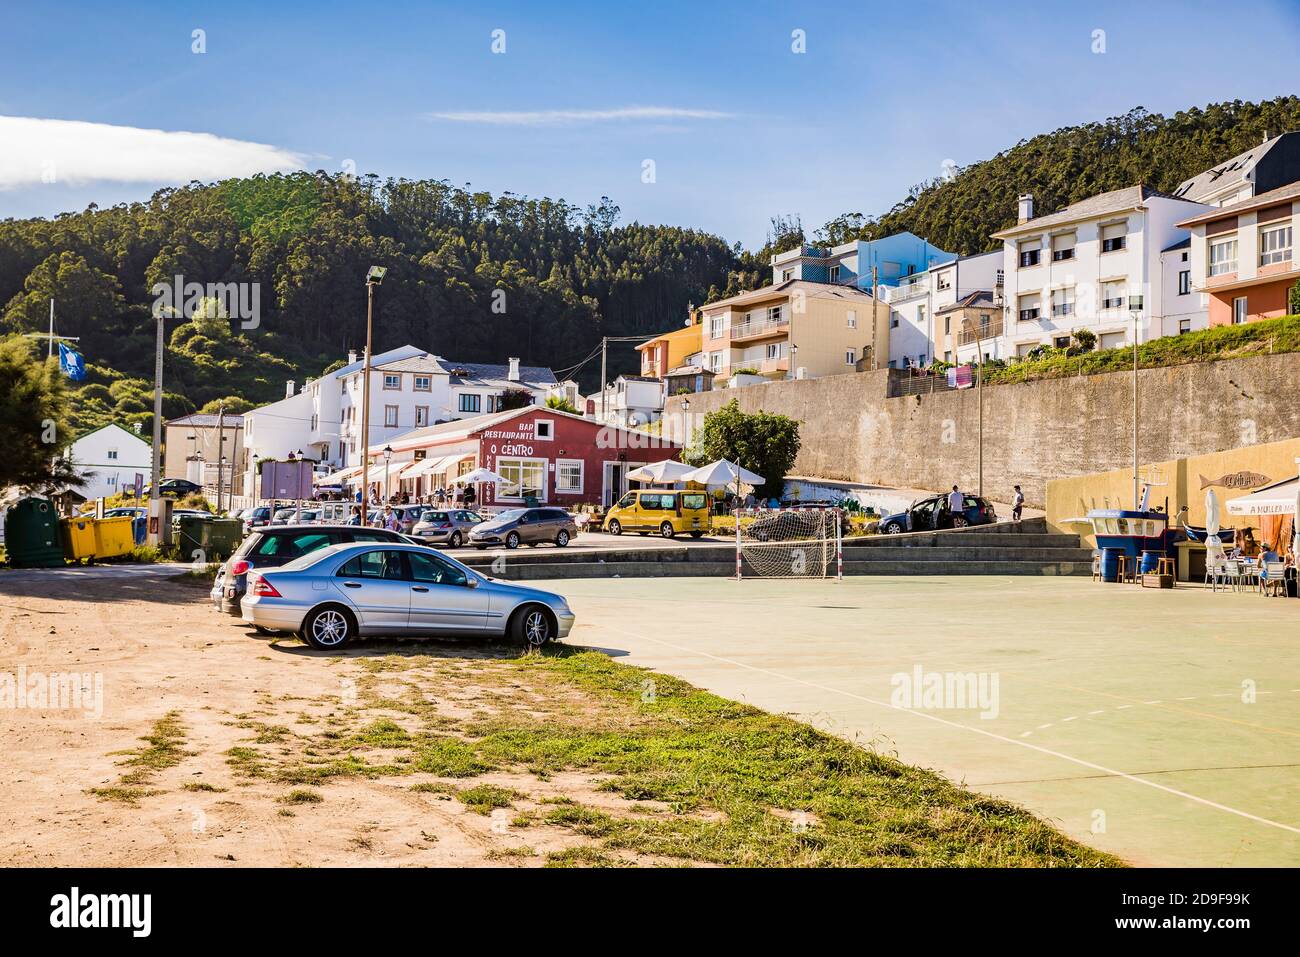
(1017, 504)
(956, 504)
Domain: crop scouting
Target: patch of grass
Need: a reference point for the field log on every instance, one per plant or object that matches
(450, 758)
(301, 796)
(248, 762)
(583, 857)
(129, 796)
(485, 798)
(163, 751)
(1206, 345)
(202, 786)
(511, 853)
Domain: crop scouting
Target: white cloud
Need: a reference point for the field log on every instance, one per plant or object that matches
(74, 152)
(570, 117)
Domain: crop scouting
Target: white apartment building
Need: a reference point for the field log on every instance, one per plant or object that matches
(1090, 266)
(631, 401)
(921, 321)
(410, 388)
(109, 458)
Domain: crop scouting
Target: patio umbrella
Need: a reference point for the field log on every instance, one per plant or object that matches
(479, 475)
(722, 472)
(1212, 520)
(660, 473)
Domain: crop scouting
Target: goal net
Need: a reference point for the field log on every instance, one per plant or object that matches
(789, 543)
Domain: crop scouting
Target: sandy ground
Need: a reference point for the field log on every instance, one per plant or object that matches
(158, 648)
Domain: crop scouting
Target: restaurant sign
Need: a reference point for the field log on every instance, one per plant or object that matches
(1236, 480)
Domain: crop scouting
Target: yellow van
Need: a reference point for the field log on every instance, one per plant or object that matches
(665, 512)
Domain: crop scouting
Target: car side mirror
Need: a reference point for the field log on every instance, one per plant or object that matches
(471, 582)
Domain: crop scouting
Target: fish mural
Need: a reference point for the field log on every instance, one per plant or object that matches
(1236, 480)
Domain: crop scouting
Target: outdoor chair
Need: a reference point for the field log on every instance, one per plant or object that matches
(1096, 565)
(1273, 579)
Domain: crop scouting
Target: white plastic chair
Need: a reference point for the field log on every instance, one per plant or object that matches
(1273, 580)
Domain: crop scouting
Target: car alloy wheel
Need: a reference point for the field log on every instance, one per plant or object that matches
(512, 540)
(455, 540)
(666, 530)
(615, 528)
(536, 628)
(562, 539)
(893, 528)
(328, 628)
(959, 521)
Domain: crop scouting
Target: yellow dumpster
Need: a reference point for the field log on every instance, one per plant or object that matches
(113, 536)
(78, 536)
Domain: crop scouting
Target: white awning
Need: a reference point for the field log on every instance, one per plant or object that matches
(435, 466)
(1278, 500)
(337, 478)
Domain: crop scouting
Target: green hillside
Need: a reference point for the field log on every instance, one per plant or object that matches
(1068, 165)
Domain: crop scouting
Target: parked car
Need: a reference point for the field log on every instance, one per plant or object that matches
(526, 526)
(449, 526)
(274, 545)
(173, 486)
(932, 512)
(656, 510)
(256, 517)
(789, 526)
(129, 511)
(339, 593)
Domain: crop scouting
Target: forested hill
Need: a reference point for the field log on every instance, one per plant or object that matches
(1068, 165)
(479, 277)
(470, 276)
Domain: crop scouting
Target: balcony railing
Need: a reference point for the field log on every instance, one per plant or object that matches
(759, 327)
(979, 331)
(911, 288)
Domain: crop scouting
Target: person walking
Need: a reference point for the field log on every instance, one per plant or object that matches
(956, 505)
(1017, 504)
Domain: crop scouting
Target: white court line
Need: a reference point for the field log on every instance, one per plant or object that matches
(988, 734)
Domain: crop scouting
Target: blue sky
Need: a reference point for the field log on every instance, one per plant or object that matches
(739, 127)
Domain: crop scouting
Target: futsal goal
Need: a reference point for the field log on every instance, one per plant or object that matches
(789, 543)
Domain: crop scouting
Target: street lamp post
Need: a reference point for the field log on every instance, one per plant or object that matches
(686, 423)
(374, 278)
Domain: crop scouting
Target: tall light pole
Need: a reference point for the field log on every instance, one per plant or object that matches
(388, 455)
(374, 278)
(1135, 310)
(979, 398)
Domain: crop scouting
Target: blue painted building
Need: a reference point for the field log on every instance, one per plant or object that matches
(894, 258)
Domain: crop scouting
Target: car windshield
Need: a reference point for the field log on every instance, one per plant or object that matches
(511, 515)
(434, 517)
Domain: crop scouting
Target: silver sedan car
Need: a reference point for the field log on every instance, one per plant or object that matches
(335, 594)
(446, 525)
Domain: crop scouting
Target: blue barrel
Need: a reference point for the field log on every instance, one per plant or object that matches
(140, 528)
(1110, 564)
(1150, 561)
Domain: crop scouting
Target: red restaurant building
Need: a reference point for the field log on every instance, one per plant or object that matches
(561, 458)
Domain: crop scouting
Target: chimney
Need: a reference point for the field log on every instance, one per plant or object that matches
(513, 375)
(352, 356)
(288, 389)
(1026, 208)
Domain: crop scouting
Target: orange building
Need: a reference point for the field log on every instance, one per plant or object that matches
(1244, 256)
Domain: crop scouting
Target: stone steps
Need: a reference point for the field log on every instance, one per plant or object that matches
(541, 571)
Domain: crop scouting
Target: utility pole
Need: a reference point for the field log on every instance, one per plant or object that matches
(221, 450)
(365, 405)
(157, 411)
(875, 318)
(604, 342)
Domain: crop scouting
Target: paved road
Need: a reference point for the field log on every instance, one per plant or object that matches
(1163, 726)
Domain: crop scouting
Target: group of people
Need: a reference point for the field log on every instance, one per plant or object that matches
(458, 496)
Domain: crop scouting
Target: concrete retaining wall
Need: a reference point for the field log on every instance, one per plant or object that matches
(1033, 432)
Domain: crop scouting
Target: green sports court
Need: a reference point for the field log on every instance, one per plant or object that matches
(1162, 726)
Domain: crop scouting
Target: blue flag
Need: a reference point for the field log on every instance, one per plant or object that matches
(71, 364)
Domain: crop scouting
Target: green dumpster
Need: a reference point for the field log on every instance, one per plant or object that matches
(213, 539)
(32, 534)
